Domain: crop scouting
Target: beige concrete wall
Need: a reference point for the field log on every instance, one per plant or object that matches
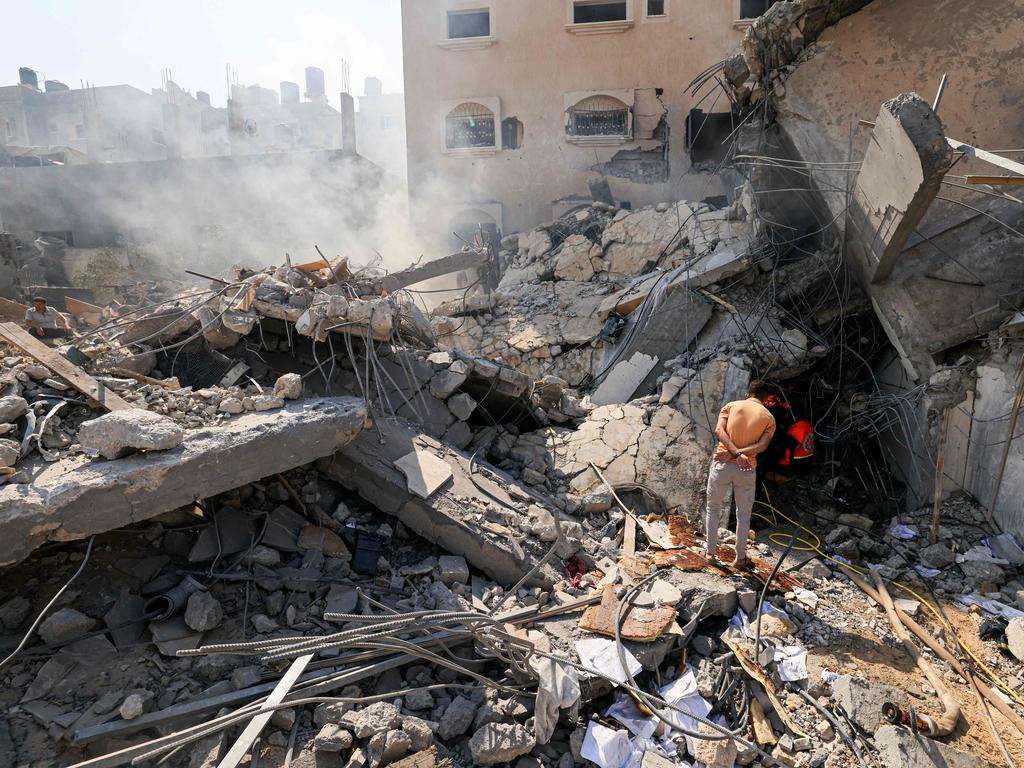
(533, 63)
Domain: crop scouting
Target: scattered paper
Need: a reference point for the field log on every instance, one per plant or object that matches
(828, 676)
(925, 572)
(606, 747)
(991, 606)
(626, 712)
(903, 532)
(603, 656)
(683, 693)
(792, 663)
(980, 553)
(1006, 546)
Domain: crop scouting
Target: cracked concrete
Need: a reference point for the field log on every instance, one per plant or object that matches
(77, 497)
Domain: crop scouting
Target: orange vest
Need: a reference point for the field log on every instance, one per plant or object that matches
(803, 433)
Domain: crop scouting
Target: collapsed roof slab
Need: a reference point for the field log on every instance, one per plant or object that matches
(470, 514)
(77, 497)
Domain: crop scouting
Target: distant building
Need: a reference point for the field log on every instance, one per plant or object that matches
(516, 106)
(57, 125)
(381, 128)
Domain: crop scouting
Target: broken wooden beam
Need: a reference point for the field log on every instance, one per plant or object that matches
(60, 365)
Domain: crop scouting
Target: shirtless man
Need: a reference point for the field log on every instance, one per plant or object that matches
(744, 429)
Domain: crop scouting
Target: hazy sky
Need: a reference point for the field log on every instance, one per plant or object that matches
(108, 42)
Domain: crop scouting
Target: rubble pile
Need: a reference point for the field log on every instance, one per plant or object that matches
(563, 280)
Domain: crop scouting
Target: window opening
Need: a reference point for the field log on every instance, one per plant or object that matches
(705, 134)
(463, 24)
(469, 126)
(595, 13)
(655, 7)
(511, 133)
(751, 9)
(599, 116)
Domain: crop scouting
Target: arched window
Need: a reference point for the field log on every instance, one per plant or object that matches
(598, 116)
(469, 126)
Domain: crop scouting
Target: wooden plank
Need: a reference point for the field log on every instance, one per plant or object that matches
(988, 157)
(12, 310)
(61, 366)
(80, 308)
(252, 731)
(995, 181)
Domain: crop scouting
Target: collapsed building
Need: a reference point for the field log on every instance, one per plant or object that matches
(324, 522)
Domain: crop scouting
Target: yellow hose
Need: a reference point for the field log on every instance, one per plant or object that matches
(814, 545)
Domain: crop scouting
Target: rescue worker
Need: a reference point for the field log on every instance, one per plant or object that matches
(793, 441)
(45, 321)
(744, 430)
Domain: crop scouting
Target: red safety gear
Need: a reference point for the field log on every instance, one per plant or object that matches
(803, 433)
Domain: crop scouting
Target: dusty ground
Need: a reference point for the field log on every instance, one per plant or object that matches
(868, 648)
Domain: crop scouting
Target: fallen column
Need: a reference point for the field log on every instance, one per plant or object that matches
(77, 497)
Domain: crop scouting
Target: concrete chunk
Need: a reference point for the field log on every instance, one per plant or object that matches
(76, 497)
(115, 434)
(898, 746)
(862, 700)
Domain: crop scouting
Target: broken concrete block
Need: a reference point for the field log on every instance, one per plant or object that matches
(1015, 637)
(424, 472)
(500, 743)
(453, 569)
(263, 624)
(12, 408)
(10, 452)
(715, 754)
(267, 403)
(231, 405)
(898, 746)
(376, 718)
(203, 611)
(420, 735)
(576, 259)
(332, 738)
(385, 748)
(461, 406)
(245, 677)
(115, 434)
(444, 383)
(323, 539)
(457, 718)
(621, 382)
(288, 387)
(331, 712)
(697, 587)
(14, 612)
(65, 625)
(133, 706)
(863, 700)
(937, 556)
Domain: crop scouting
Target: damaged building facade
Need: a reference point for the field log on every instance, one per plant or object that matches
(516, 107)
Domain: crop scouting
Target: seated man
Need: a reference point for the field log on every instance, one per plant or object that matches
(45, 321)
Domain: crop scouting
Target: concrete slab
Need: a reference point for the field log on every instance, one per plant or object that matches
(77, 497)
(424, 472)
(475, 515)
(622, 381)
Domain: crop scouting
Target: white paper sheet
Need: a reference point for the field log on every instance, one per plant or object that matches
(606, 747)
(603, 655)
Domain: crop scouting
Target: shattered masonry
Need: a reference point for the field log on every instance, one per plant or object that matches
(469, 532)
